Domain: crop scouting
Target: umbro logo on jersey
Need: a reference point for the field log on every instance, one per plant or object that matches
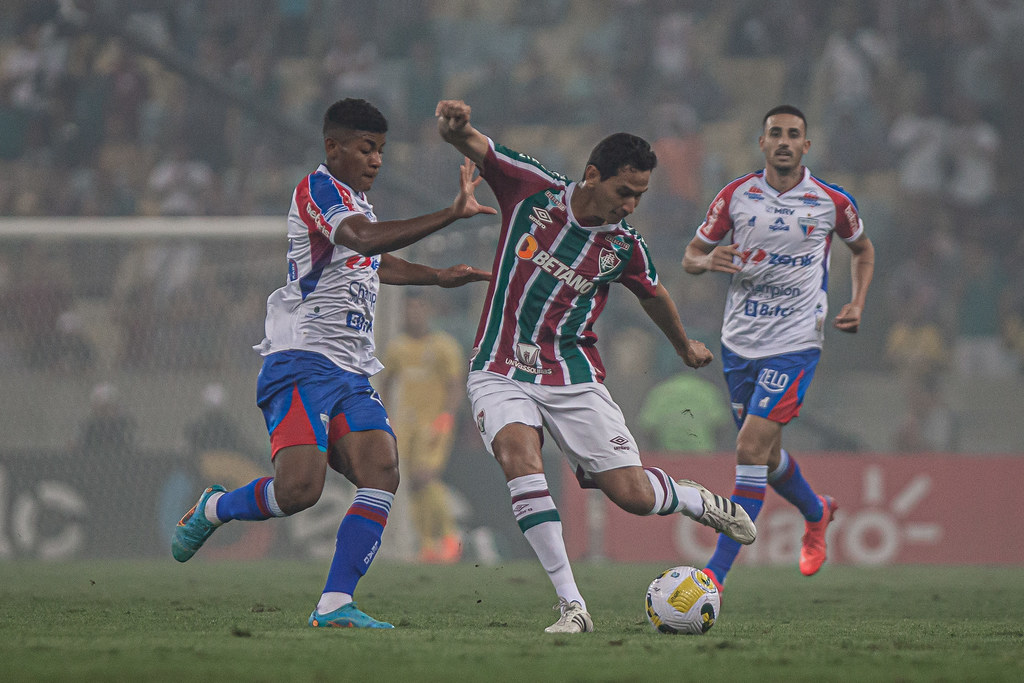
(540, 217)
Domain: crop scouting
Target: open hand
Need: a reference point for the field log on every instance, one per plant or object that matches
(459, 275)
(465, 204)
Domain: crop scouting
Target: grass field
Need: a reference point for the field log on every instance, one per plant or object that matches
(160, 621)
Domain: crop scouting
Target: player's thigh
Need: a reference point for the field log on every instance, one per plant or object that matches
(588, 427)
(299, 473)
(498, 402)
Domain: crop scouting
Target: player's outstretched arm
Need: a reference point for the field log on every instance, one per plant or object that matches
(397, 271)
(662, 310)
(360, 234)
(454, 126)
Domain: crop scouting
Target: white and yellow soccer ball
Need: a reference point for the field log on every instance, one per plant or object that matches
(683, 600)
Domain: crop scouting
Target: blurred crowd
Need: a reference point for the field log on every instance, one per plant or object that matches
(198, 108)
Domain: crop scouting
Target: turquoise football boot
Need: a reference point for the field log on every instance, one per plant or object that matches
(346, 616)
(194, 528)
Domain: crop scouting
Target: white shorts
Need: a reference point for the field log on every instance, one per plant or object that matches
(583, 419)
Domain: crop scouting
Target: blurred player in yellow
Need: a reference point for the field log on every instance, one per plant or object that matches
(424, 376)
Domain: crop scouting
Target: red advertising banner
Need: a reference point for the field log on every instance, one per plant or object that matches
(893, 509)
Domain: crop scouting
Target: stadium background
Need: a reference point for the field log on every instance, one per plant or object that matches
(148, 150)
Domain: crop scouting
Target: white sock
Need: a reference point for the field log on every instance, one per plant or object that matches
(210, 509)
(332, 601)
(535, 511)
(670, 497)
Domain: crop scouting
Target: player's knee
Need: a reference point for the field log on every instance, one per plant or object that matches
(295, 497)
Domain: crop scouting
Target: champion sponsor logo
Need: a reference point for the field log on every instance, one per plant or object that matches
(540, 217)
(607, 261)
(553, 198)
(322, 226)
(811, 199)
(529, 249)
(755, 193)
(768, 289)
(807, 225)
(772, 380)
(778, 225)
(527, 354)
(360, 292)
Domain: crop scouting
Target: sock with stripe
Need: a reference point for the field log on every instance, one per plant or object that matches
(670, 497)
(538, 519)
(254, 501)
(789, 482)
(751, 482)
(357, 545)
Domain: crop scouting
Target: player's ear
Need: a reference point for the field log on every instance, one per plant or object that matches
(591, 176)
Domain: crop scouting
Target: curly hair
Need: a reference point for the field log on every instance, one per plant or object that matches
(354, 114)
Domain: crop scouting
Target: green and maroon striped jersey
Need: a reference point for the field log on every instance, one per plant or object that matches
(550, 277)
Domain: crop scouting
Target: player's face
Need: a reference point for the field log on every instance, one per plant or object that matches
(784, 141)
(615, 197)
(354, 157)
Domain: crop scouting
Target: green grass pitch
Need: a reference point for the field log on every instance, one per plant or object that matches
(227, 621)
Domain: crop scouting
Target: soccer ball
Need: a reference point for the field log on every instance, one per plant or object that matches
(683, 600)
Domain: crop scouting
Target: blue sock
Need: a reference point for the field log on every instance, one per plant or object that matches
(751, 482)
(254, 501)
(789, 483)
(358, 539)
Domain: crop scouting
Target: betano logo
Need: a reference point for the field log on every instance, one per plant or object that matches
(528, 249)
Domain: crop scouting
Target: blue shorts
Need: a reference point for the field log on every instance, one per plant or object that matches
(772, 387)
(306, 399)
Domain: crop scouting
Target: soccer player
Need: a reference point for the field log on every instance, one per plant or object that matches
(782, 221)
(318, 353)
(535, 363)
(423, 375)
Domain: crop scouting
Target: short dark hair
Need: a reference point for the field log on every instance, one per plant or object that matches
(784, 109)
(619, 150)
(354, 114)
